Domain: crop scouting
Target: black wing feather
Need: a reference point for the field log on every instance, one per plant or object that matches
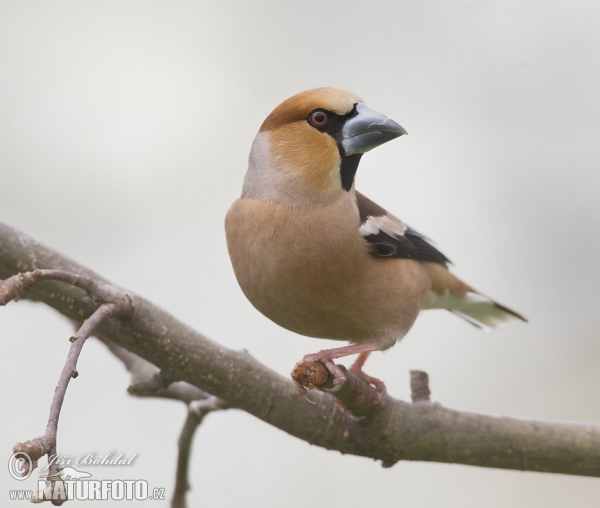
(426, 251)
(409, 245)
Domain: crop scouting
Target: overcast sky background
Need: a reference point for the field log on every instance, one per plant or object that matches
(125, 129)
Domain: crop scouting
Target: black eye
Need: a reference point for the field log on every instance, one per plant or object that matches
(318, 118)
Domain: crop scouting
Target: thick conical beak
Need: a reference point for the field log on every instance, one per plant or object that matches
(368, 129)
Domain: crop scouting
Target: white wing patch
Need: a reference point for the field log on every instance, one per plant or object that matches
(388, 224)
(477, 309)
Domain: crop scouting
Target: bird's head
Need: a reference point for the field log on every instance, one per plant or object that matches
(308, 149)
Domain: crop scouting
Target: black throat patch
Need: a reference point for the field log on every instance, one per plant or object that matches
(348, 169)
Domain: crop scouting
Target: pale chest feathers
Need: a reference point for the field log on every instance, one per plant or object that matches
(310, 271)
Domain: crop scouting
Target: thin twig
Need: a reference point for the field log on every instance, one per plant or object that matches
(14, 287)
(46, 444)
(197, 410)
(419, 387)
(42, 445)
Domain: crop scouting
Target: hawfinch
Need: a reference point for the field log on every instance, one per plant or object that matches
(319, 258)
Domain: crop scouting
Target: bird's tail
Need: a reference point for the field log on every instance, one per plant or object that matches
(483, 312)
(450, 293)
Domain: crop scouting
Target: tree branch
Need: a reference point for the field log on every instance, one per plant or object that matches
(393, 430)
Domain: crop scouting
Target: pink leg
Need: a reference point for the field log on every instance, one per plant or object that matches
(356, 369)
(326, 357)
(360, 361)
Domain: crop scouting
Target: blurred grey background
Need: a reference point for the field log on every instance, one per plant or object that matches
(125, 128)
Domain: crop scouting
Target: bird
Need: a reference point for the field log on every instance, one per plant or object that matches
(319, 258)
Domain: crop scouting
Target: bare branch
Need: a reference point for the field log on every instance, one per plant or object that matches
(197, 410)
(40, 446)
(46, 444)
(14, 287)
(392, 431)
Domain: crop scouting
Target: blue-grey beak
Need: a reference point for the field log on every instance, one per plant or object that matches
(367, 130)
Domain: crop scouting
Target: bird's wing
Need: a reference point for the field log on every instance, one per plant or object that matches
(388, 236)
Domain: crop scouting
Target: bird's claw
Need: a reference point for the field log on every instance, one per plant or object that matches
(302, 390)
